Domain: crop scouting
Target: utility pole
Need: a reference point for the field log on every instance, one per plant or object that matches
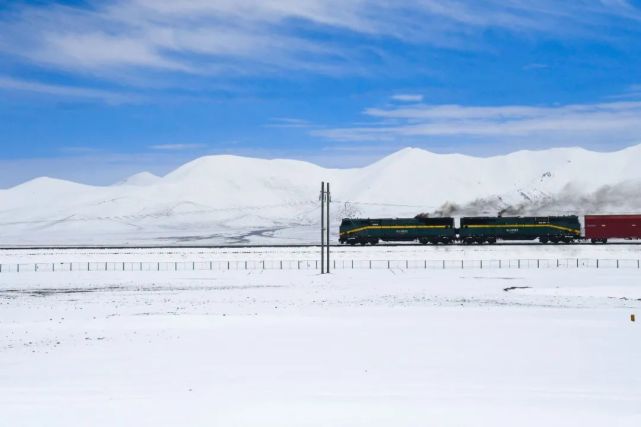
(322, 200)
(329, 199)
(325, 199)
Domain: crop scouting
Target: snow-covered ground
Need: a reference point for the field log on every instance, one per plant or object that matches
(354, 348)
(347, 253)
(234, 200)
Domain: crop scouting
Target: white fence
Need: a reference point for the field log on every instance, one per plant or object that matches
(561, 263)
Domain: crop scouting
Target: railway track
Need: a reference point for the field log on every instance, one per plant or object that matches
(335, 246)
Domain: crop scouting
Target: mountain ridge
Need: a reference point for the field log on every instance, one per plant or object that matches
(221, 197)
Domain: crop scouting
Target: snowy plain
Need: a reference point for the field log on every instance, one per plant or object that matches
(616, 250)
(622, 255)
(390, 346)
(294, 348)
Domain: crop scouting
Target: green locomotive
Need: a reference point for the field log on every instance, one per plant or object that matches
(554, 229)
(423, 230)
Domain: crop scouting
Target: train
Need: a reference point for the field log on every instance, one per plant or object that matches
(489, 230)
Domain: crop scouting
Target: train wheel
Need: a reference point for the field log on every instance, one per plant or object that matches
(352, 242)
(543, 240)
(434, 242)
(423, 241)
(373, 242)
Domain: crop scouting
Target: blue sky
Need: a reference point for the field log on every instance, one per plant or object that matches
(97, 90)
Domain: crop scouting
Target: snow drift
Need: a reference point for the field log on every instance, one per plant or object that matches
(229, 199)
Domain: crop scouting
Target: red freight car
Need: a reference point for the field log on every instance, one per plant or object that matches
(600, 228)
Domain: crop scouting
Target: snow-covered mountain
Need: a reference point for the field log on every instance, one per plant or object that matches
(229, 199)
(142, 178)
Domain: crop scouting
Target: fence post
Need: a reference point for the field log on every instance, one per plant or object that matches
(245, 265)
(211, 265)
(557, 263)
(370, 264)
(481, 264)
(443, 264)
(597, 263)
(462, 265)
(500, 264)
(617, 263)
(538, 263)
(388, 264)
(519, 263)
(407, 264)
(281, 264)
(425, 264)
